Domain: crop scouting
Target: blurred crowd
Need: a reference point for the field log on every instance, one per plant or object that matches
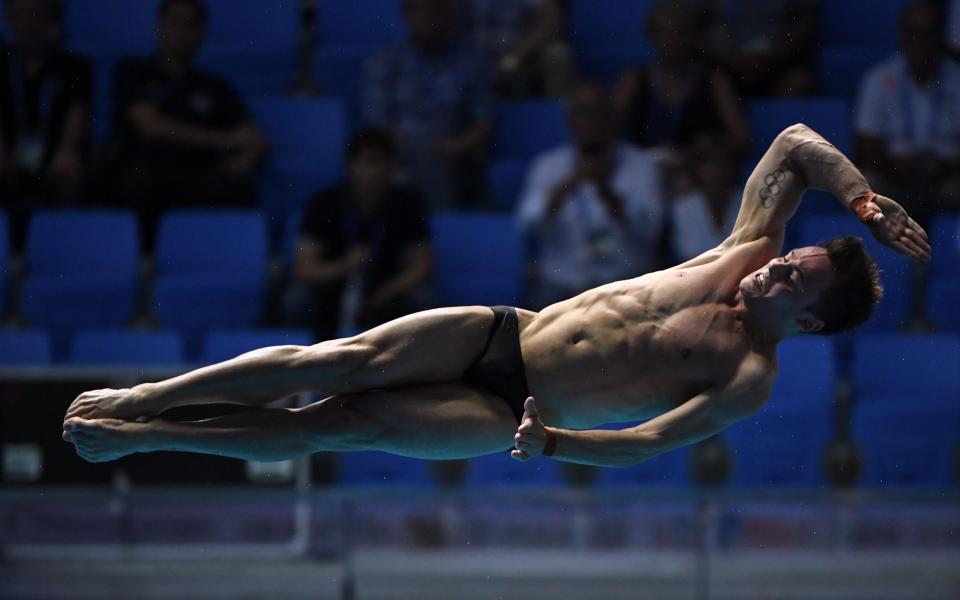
(651, 174)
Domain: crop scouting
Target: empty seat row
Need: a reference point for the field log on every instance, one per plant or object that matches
(81, 267)
(130, 348)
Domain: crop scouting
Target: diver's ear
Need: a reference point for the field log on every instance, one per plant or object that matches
(809, 323)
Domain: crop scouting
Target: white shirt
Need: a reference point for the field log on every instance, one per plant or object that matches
(583, 246)
(694, 231)
(911, 119)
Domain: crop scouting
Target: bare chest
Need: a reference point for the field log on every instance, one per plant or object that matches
(631, 350)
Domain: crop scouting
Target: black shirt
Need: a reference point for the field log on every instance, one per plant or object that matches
(197, 98)
(400, 223)
(38, 105)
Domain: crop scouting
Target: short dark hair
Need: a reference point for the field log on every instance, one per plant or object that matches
(855, 292)
(370, 139)
(197, 5)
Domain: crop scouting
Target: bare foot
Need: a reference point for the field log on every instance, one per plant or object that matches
(125, 403)
(102, 440)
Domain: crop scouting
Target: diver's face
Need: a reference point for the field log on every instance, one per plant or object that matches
(786, 287)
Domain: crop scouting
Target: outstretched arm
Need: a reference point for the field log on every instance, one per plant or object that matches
(694, 420)
(800, 158)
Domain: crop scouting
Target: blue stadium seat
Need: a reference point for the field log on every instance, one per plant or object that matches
(252, 43)
(286, 184)
(943, 298)
(380, 468)
(19, 348)
(339, 71)
(905, 446)
(249, 42)
(479, 259)
(527, 127)
(906, 417)
(671, 469)
(225, 344)
(4, 261)
(782, 445)
(895, 268)
(311, 128)
(500, 469)
(943, 294)
(842, 68)
(610, 24)
(505, 182)
(606, 65)
(211, 269)
(854, 24)
(907, 370)
(307, 138)
(945, 240)
(81, 268)
(360, 22)
(126, 348)
(111, 27)
(830, 117)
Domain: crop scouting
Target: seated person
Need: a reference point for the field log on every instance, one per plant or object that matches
(433, 93)
(594, 208)
(678, 96)
(183, 136)
(44, 114)
(906, 128)
(363, 256)
(770, 48)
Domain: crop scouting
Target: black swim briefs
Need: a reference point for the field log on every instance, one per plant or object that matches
(500, 366)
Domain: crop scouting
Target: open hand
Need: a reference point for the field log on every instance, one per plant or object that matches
(531, 435)
(893, 227)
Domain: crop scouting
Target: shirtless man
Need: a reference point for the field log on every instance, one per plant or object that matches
(691, 348)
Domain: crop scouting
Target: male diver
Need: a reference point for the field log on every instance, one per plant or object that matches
(690, 350)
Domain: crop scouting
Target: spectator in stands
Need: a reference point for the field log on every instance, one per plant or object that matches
(526, 41)
(434, 94)
(675, 98)
(906, 124)
(594, 209)
(768, 47)
(44, 114)
(183, 136)
(706, 202)
(364, 251)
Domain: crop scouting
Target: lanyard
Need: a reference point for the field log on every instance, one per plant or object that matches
(910, 126)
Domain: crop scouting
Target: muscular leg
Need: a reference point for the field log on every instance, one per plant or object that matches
(437, 421)
(431, 346)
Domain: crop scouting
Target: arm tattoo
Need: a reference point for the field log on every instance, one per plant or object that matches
(771, 187)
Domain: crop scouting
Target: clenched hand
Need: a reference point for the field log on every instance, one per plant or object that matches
(531, 435)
